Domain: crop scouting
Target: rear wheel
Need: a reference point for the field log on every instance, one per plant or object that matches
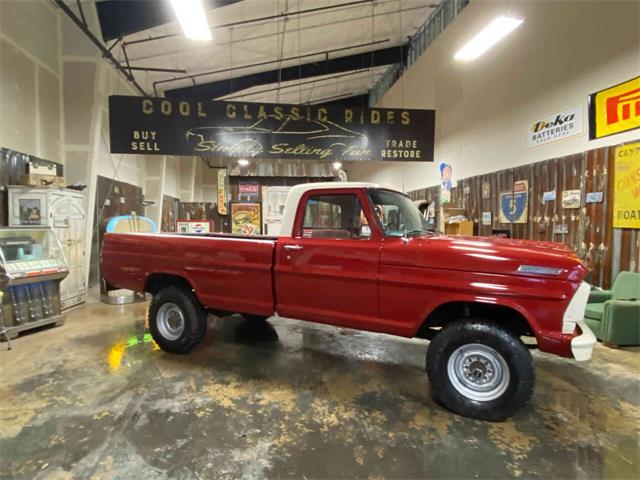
(177, 320)
(479, 369)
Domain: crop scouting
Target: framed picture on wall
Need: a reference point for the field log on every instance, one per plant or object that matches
(30, 211)
(246, 218)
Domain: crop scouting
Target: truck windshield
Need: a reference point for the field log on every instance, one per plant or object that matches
(397, 214)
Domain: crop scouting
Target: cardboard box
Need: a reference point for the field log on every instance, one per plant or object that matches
(459, 228)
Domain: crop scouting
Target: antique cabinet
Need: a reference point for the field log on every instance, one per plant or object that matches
(64, 212)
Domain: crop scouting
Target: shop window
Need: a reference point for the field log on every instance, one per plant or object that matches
(335, 216)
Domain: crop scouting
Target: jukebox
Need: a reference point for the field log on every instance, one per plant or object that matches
(32, 266)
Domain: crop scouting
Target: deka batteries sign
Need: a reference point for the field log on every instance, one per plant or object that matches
(557, 126)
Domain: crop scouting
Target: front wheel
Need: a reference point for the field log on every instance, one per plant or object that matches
(177, 320)
(479, 369)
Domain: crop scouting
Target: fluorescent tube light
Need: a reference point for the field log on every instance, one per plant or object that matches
(243, 162)
(488, 37)
(192, 19)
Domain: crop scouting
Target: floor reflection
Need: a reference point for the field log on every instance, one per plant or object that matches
(239, 329)
(116, 352)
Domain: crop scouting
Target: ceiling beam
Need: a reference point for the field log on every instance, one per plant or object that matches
(323, 53)
(314, 81)
(124, 17)
(249, 37)
(219, 88)
(270, 18)
(105, 53)
(347, 100)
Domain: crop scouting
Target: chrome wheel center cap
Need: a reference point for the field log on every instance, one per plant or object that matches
(478, 372)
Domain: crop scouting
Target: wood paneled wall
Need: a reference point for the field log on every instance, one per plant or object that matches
(169, 214)
(605, 250)
(113, 198)
(204, 211)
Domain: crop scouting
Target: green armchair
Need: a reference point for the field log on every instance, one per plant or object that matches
(614, 315)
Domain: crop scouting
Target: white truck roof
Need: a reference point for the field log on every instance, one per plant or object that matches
(293, 198)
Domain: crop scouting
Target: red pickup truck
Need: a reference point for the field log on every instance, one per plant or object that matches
(361, 256)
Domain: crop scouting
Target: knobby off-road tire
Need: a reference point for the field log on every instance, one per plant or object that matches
(479, 369)
(177, 320)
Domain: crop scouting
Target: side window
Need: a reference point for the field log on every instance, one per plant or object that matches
(335, 216)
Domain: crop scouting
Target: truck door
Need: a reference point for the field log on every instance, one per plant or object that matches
(327, 271)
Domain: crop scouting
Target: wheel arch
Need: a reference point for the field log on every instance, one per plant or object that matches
(158, 281)
(450, 311)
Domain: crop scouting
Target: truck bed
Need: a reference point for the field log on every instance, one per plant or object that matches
(227, 272)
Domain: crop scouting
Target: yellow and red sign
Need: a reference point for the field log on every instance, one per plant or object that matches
(615, 109)
(222, 191)
(246, 218)
(626, 194)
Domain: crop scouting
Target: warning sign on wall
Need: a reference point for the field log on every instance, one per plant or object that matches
(626, 192)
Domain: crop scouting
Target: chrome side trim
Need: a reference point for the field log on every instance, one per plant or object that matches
(200, 236)
(539, 270)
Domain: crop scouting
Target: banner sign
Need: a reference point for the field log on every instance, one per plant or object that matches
(626, 181)
(161, 126)
(558, 126)
(615, 109)
(514, 205)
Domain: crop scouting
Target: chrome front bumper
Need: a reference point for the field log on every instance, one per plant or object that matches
(582, 345)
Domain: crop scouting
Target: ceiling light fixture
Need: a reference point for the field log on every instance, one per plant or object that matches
(488, 37)
(243, 162)
(337, 165)
(192, 19)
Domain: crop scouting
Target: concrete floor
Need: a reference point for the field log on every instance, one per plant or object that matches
(95, 398)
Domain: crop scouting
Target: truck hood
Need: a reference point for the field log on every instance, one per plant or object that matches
(499, 256)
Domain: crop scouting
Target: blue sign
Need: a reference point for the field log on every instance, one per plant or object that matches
(549, 196)
(594, 197)
(513, 207)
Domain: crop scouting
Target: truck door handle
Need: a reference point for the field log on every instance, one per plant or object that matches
(293, 247)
